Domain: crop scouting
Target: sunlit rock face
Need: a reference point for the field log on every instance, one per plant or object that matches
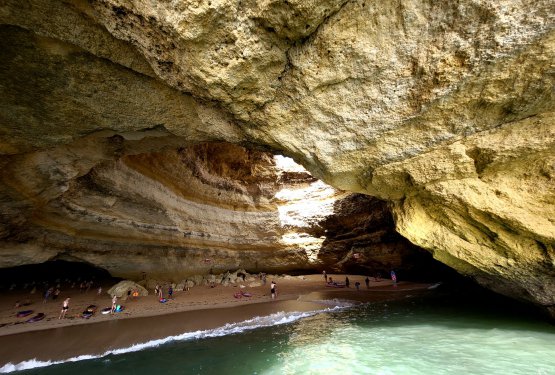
(444, 109)
(176, 213)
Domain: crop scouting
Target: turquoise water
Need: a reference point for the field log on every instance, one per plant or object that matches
(438, 334)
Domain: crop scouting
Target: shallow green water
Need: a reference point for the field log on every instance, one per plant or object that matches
(437, 334)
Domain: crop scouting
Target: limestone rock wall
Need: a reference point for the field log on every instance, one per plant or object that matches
(444, 109)
(176, 213)
(360, 237)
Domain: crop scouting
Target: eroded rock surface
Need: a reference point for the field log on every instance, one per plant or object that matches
(443, 108)
(188, 211)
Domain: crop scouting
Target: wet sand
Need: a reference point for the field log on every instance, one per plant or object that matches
(146, 319)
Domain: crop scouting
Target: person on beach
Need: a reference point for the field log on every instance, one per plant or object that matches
(273, 289)
(347, 282)
(114, 302)
(99, 290)
(367, 282)
(65, 307)
(158, 291)
(357, 285)
(170, 292)
(47, 294)
(325, 275)
(394, 278)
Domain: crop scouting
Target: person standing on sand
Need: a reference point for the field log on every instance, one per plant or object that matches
(114, 302)
(367, 281)
(357, 285)
(347, 282)
(394, 278)
(47, 294)
(273, 289)
(325, 275)
(170, 292)
(65, 307)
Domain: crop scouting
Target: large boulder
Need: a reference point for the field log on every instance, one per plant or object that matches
(122, 288)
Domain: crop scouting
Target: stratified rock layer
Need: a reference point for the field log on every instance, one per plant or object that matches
(443, 108)
(198, 210)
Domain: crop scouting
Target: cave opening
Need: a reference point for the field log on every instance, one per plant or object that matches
(191, 215)
(63, 274)
(210, 208)
(121, 125)
(347, 232)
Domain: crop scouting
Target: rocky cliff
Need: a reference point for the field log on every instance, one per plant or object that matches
(192, 210)
(444, 109)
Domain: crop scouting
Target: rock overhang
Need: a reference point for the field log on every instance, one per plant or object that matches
(444, 109)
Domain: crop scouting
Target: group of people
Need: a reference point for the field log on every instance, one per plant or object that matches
(51, 293)
(330, 281)
(65, 306)
(159, 291)
(85, 286)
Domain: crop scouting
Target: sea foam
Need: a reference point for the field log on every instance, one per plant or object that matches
(228, 329)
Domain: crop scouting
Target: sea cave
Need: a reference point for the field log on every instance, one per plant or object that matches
(197, 147)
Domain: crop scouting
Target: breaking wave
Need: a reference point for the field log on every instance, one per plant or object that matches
(228, 329)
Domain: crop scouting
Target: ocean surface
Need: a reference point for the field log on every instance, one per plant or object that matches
(441, 333)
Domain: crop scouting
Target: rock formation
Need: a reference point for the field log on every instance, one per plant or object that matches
(125, 288)
(445, 109)
(197, 210)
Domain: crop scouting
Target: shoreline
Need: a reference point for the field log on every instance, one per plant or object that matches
(200, 310)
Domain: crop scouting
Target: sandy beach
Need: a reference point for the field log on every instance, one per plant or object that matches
(144, 318)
